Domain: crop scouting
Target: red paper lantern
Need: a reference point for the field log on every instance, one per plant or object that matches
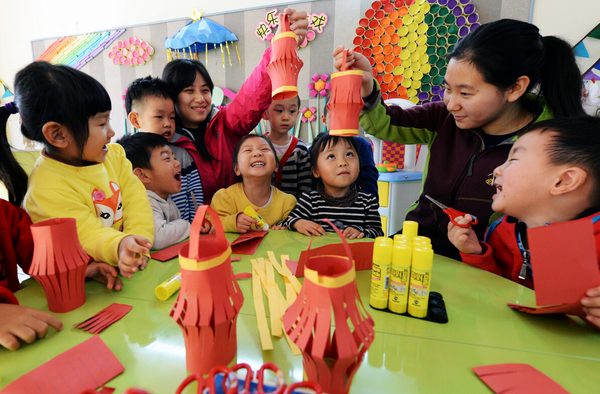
(59, 263)
(346, 101)
(210, 298)
(329, 289)
(285, 64)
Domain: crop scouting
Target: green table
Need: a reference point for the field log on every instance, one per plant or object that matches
(408, 355)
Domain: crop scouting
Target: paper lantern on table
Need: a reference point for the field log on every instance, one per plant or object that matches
(210, 299)
(285, 64)
(59, 263)
(330, 289)
(346, 102)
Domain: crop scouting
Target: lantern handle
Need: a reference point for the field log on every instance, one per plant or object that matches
(345, 55)
(284, 22)
(344, 242)
(197, 226)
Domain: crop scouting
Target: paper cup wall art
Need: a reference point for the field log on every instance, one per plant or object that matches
(210, 298)
(407, 41)
(131, 52)
(331, 355)
(285, 64)
(346, 101)
(59, 263)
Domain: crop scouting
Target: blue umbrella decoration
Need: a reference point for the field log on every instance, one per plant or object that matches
(197, 36)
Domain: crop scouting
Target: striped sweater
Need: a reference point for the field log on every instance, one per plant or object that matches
(295, 172)
(191, 195)
(363, 214)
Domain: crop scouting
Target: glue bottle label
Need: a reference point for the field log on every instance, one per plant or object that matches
(419, 292)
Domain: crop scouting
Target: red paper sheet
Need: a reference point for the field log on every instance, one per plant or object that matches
(87, 365)
(517, 379)
(168, 253)
(570, 309)
(362, 252)
(105, 318)
(564, 262)
(248, 243)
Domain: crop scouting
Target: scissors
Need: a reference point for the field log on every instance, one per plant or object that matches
(453, 213)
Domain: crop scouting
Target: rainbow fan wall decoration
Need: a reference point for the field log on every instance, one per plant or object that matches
(76, 51)
(407, 41)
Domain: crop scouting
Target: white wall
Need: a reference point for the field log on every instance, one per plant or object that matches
(570, 20)
(27, 20)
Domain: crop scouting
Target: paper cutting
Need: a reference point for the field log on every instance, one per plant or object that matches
(103, 319)
(285, 64)
(168, 253)
(87, 365)
(362, 253)
(59, 263)
(329, 291)
(517, 379)
(248, 243)
(210, 298)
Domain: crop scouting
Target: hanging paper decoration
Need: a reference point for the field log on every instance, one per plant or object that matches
(319, 87)
(285, 65)
(406, 42)
(201, 35)
(266, 29)
(59, 263)
(131, 52)
(7, 93)
(345, 102)
(76, 51)
(308, 116)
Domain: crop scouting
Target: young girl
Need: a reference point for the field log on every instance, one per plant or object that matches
(210, 133)
(79, 174)
(552, 175)
(255, 161)
(486, 103)
(336, 164)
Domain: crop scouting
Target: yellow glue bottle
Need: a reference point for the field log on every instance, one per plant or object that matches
(410, 228)
(380, 274)
(398, 238)
(399, 277)
(260, 222)
(418, 240)
(168, 287)
(420, 281)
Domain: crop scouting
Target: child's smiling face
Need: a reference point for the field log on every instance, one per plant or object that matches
(165, 173)
(255, 159)
(338, 167)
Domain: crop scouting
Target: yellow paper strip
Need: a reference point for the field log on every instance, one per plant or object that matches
(274, 302)
(290, 292)
(259, 266)
(295, 282)
(261, 316)
(293, 347)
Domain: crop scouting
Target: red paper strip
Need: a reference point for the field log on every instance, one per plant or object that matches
(564, 261)
(362, 252)
(87, 365)
(570, 309)
(516, 379)
(243, 275)
(103, 319)
(248, 243)
(168, 253)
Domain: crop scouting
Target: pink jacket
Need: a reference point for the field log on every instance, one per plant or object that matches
(227, 125)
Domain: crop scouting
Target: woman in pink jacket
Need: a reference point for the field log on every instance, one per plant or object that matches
(210, 133)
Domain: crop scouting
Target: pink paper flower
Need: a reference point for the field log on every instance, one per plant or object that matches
(319, 85)
(98, 195)
(308, 114)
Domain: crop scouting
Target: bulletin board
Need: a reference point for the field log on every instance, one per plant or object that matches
(341, 28)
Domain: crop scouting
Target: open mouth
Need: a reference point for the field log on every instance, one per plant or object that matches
(257, 164)
(178, 177)
(498, 188)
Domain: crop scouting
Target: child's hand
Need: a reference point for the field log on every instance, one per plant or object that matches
(298, 23)
(591, 305)
(309, 228)
(243, 223)
(359, 62)
(130, 250)
(351, 233)
(278, 227)
(104, 273)
(464, 239)
(17, 321)
(207, 227)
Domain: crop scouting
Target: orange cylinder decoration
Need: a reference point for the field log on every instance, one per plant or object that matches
(329, 289)
(210, 298)
(346, 102)
(285, 64)
(59, 263)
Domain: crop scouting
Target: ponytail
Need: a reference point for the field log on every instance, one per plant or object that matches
(11, 173)
(560, 78)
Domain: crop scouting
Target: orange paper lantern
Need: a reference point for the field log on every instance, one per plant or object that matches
(285, 64)
(59, 263)
(329, 289)
(346, 102)
(210, 298)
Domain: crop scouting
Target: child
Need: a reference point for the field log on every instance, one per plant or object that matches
(335, 162)
(215, 131)
(79, 174)
(154, 163)
(150, 109)
(254, 161)
(485, 105)
(552, 175)
(293, 175)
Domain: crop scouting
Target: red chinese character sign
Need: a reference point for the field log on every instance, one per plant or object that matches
(265, 30)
